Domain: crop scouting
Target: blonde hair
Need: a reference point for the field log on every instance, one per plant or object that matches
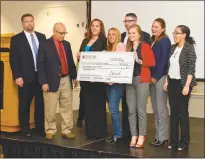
(112, 47)
(129, 42)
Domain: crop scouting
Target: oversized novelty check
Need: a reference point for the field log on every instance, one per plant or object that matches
(114, 67)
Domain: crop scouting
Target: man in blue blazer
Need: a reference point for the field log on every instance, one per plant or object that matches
(130, 19)
(23, 61)
(56, 71)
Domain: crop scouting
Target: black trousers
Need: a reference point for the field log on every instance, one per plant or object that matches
(179, 114)
(81, 106)
(26, 94)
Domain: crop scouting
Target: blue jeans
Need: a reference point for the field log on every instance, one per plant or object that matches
(114, 94)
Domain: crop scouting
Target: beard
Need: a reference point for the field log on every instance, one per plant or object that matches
(30, 28)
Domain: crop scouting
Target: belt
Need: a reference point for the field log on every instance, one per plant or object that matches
(63, 75)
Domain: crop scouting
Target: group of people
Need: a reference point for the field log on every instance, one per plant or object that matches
(45, 68)
(158, 68)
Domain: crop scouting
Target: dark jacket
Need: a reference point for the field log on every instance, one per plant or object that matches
(145, 37)
(21, 57)
(187, 62)
(99, 45)
(49, 66)
(161, 51)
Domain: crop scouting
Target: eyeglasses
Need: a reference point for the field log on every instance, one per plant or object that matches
(176, 33)
(61, 33)
(128, 21)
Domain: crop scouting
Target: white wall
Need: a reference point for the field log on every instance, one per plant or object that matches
(46, 13)
(190, 13)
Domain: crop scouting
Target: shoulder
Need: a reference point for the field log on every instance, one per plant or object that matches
(66, 42)
(123, 34)
(165, 40)
(39, 34)
(85, 40)
(146, 45)
(145, 33)
(17, 36)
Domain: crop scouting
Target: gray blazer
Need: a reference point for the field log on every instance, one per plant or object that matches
(187, 62)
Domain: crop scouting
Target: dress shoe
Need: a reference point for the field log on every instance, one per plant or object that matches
(69, 135)
(113, 140)
(153, 142)
(140, 146)
(133, 142)
(161, 143)
(110, 139)
(79, 123)
(27, 132)
(49, 136)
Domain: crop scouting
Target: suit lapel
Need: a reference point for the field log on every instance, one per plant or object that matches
(183, 52)
(54, 49)
(25, 41)
(38, 37)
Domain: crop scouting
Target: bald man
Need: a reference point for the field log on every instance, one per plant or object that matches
(56, 71)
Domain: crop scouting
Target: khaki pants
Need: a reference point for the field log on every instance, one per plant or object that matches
(51, 99)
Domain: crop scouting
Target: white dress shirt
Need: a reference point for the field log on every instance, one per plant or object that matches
(125, 39)
(174, 70)
(28, 36)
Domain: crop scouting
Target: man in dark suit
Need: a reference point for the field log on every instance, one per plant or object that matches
(23, 61)
(130, 19)
(56, 70)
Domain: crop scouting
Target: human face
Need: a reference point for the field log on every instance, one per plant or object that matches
(157, 29)
(129, 21)
(178, 35)
(112, 36)
(28, 24)
(95, 28)
(60, 32)
(133, 35)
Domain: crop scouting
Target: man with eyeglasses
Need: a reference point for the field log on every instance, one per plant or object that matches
(130, 19)
(23, 61)
(56, 70)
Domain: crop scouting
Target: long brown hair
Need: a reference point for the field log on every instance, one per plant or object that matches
(112, 47)
(102, 29)
(163, 34)
(129, 42)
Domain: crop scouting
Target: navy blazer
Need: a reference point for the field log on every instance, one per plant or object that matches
(145, 37)
(21, 57)
(161, 51)
(49, 66)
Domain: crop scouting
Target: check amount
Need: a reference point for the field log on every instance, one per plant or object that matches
(115, 67)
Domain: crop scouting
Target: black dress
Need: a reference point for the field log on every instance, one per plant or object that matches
(94, 98)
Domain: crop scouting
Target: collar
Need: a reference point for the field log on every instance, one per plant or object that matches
(28, 34)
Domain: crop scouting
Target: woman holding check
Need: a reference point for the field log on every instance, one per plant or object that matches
(137, 92)
(93, 93)
(115, 90)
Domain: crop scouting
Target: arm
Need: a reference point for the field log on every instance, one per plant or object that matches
(148, 59)
(14, 59)
(41, 65)
(162, 59)
(191, 59)
(71, 60)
